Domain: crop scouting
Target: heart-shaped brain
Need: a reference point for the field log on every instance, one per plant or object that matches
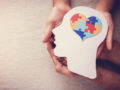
(85, 27)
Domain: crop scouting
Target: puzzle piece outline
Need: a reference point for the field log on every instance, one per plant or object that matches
(75, 18)
(81, 25)
(91, 27)
(80, 33)
(86, 27)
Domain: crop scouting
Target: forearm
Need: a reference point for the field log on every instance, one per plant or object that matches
(105, 5)
(61, 3)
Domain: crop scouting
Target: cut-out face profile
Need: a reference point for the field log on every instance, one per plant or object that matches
(83, 29)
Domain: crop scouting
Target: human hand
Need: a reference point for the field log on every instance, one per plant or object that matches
(49, 37)
(109, 37)
(104, 6)
(55, 19)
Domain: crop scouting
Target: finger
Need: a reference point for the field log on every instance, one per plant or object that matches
(67, 72)
(52, 39)
(50, 49)
(48, 32)
(109, 38)
(63, 60)
(51, 52)
(100, 49)
(110, 33)
(63, 68)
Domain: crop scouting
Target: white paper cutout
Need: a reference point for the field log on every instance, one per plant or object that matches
(81, 54)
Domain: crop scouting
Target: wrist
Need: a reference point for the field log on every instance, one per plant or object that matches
(105, 5)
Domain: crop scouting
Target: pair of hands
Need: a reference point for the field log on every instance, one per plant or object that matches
(55, 19)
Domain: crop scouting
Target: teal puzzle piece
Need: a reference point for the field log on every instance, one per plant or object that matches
(98, 22)
(81, 26)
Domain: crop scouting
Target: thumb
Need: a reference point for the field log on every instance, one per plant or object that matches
(109, 37)
(48, 32)
(100, 49)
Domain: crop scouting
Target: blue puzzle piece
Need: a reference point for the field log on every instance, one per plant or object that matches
(80, 33)
(92, 19)
(99, 22)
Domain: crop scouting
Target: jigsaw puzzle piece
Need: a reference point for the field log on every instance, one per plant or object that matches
(80, 33)
(98, 22)
(83, 17)
(81, 26)
(75, 18)
(88, 34)
(93, 20)
(98, 28)
(91, 27)
(73, 25)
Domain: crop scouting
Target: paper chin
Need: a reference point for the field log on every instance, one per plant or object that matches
(89, 74)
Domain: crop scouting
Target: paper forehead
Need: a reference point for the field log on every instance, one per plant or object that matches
(86, 12)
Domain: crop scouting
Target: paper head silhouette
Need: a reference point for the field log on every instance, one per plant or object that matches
(82, 30)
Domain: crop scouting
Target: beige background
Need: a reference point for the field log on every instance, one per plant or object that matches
(24, 61)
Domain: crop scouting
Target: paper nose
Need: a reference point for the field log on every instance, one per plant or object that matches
(54, 31)
(57, 29)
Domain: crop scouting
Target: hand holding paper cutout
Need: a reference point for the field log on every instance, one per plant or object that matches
(79, 49)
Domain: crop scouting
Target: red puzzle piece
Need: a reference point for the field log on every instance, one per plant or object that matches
(91, 27)
(75, 17)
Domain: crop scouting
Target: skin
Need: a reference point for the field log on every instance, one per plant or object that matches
(107, 77)
(60, 8)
